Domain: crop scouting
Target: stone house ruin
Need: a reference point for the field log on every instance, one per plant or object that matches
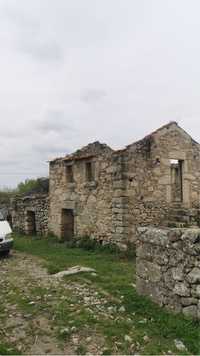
(106, 194)
(30, 214)
(29, 211)
(146, 194)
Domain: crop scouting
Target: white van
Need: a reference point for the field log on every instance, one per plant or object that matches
(6, 240)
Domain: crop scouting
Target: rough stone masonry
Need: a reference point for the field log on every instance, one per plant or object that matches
(106, 195)
(168, 268)
(30, 214)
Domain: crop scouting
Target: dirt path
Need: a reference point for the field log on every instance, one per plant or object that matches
(35, 309)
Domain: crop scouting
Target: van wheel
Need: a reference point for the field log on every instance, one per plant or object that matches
(6, 253)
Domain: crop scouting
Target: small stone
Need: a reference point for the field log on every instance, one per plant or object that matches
(127, 338)
(143, 321)
(122, 309)
(180, 345)
(64, 331)
(89, 339)
(75, 340)
(110, 309)
(146, 338)
(73, 328)
(194, 275)
(27, 316)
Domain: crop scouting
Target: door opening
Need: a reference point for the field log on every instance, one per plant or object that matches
(31, 223)
(67, 224)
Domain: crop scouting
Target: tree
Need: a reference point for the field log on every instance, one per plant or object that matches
(31, 186)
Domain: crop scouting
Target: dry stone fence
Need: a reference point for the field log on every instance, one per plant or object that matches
(168, 268)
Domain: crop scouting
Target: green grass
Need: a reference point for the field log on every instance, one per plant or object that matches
(8, 350)
(114, 278)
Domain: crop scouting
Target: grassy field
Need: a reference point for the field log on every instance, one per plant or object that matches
(134, 320)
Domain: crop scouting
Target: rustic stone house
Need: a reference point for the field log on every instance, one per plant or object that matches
(107, 194)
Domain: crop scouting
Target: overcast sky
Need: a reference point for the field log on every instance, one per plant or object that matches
(76, 71)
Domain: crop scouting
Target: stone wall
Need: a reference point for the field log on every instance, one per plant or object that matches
(168, 268)
(30, 214)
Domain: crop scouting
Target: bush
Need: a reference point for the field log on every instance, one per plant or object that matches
(33, 186)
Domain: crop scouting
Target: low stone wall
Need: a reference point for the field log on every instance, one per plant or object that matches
(168, 268)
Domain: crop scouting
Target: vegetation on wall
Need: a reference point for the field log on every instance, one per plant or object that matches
(29, 186)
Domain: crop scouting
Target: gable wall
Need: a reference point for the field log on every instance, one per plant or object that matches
(148, 177)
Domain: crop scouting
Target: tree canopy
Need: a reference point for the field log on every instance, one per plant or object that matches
(29, 186)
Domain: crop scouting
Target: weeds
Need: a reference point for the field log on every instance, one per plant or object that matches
(114, 277)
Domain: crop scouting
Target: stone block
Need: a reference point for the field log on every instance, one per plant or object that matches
(145, 287)
(182, 289)
(144, 251)
(189, 301)
(194, 276)
(148, 270)
(177, 273)
(198, 291)
(190, 311)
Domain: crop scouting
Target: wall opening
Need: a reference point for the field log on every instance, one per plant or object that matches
(70, 173)
(31, 223)
(67, 224)
(177, 179)
(89, 171)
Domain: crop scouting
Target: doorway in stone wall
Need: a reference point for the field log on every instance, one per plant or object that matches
(9, 219)
(177, 180)
(67, 224)
(30, 223)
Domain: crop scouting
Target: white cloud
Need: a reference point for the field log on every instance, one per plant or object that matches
(76, 71)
